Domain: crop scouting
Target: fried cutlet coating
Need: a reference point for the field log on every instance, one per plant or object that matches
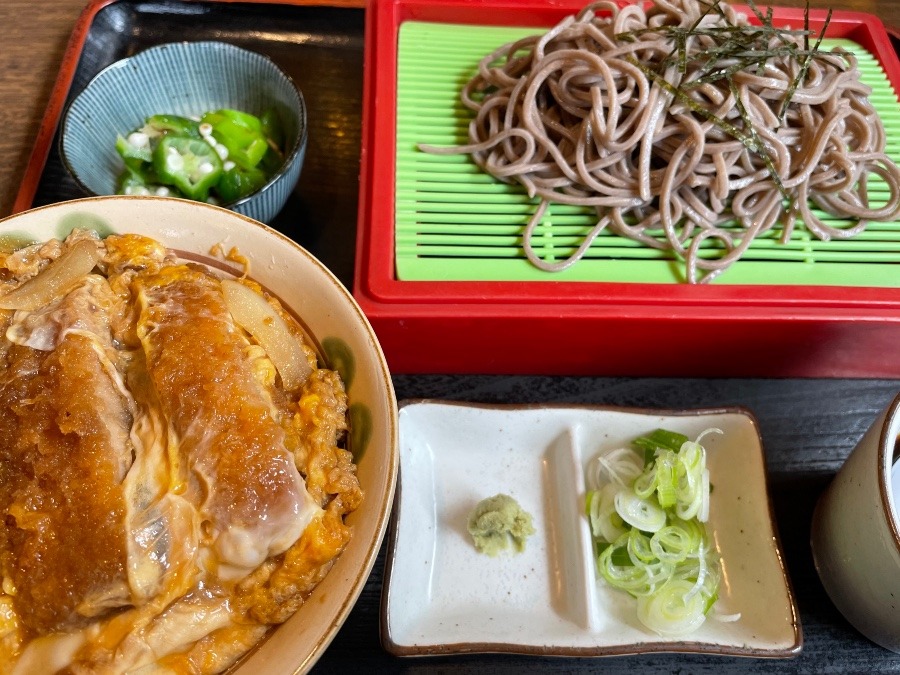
(64, 539)
(248, 482)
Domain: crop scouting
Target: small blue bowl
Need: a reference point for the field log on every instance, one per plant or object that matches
(187, 79)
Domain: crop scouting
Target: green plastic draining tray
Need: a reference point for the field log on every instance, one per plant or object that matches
(455, 223)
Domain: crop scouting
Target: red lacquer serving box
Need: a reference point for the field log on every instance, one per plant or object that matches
(598, 328)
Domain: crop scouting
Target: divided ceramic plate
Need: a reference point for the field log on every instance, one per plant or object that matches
(441, 596)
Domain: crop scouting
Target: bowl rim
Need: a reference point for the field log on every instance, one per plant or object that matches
(372, 546)
(887, 444)
(298, 147)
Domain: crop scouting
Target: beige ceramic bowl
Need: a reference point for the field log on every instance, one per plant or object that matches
(344, 334)
(856, 534)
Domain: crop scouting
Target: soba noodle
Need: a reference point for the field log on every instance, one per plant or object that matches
(629, 114)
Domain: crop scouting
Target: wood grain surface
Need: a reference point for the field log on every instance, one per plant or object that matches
(33, 37)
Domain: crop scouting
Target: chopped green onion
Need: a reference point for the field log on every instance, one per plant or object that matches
(643, 514)
(661, 439)
(666, 479)
(673, 543)
(670, 612)
(606, 524)
(649, 535)
(639, 549)
(620, 466)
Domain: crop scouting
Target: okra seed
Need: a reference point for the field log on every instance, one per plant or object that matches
(174, 161)
(139, 139)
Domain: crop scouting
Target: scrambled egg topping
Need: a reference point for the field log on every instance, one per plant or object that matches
(165, 499)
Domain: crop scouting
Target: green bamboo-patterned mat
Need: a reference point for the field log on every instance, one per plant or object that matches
(454, 222)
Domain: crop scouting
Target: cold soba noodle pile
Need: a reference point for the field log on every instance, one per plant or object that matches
(677, 121)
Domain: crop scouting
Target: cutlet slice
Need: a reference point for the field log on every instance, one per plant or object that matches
(252, 499)
(64, 451)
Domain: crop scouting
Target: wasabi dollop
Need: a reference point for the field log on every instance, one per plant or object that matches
(498, 522)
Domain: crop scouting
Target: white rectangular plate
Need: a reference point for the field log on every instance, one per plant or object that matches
(443, 596)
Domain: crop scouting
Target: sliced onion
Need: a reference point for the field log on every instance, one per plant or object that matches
(56, 279)
(688, 510)
(254, 314)
(624, 577)
(592, 504)
(645, 484)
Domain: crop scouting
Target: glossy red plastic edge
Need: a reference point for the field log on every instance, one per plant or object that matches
(598, 328)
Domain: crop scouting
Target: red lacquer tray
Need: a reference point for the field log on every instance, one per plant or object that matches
(558, 327)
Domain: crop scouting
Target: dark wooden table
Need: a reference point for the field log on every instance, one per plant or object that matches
(808, 426)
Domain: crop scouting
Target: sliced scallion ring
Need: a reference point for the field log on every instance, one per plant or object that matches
(648, 528)
(666, 479)
(670, 612)
(644, 514)
(639, 548)
(611, 524)
(703, 515)
(620, 466)
(673, 543)
(606, 524)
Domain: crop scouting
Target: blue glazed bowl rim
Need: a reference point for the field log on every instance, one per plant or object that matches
(297, 148)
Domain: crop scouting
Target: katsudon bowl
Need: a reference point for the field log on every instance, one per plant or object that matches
(343, 339)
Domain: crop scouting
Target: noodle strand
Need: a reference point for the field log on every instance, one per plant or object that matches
(636, 114)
